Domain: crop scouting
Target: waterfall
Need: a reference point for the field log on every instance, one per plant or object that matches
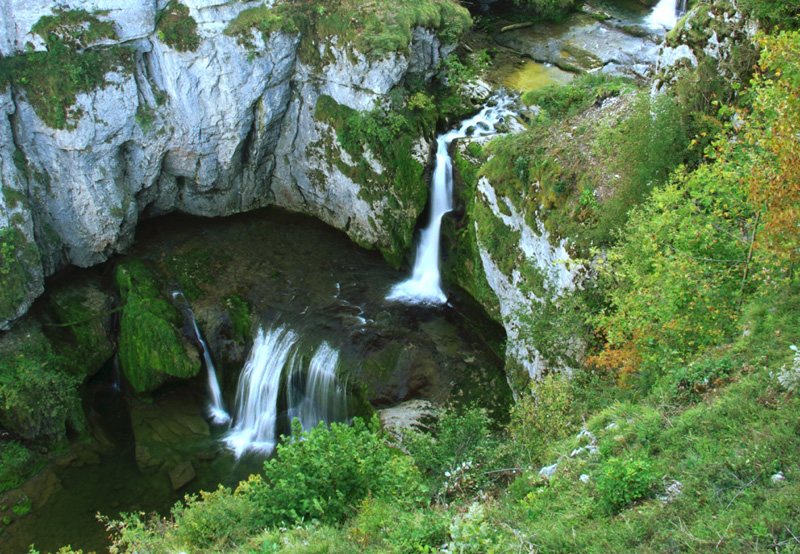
(316, 395)
(216, 410)
(424, 285)
(313, 392)
(665, 14)
(255, 427)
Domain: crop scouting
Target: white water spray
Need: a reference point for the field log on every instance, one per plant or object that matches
(257, 394)
(216, 410)
(424, 286)
(320, 398)
(665, 14)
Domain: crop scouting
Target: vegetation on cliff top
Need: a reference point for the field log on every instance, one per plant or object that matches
(375, 28)
(72, 64)
(177, 28)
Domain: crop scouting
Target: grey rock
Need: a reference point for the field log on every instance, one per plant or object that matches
(213, 132)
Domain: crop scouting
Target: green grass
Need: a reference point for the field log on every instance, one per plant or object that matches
(71, 65)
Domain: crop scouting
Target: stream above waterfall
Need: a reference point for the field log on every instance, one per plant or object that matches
(296, 273)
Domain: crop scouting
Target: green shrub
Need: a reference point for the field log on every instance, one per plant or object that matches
(622, 481)
(177, 28)
(325, 472)
(38, 400)
(543, 416)
(17, 463)
(216, 520)
(460, 447)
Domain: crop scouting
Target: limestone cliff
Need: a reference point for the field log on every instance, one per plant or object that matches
(222, 126)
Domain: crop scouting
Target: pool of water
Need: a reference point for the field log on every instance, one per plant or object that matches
(293, 271)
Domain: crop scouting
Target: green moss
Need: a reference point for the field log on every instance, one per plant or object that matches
(239, 313)
(53, 79)
(151, 348)
(177, 28)
(38, 400)
(464, 265)
(192, 270)
(17, 463)
(23, 505)
(373, 28)
(18, 261)
(12, 197)
(80, 333)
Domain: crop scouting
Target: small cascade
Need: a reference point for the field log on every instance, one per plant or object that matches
(216, 410)
(666, 13)
(312, 391)
(424, 286)
(316, 396)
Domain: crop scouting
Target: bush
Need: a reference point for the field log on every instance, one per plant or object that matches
(543, 416)
(177, 28)
(461, 447)
(325, 472)
(216, 520)
(622, 481)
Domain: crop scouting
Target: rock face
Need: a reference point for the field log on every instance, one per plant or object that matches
(222, 129)
(714, 30)
(583, 43)
(516, 299)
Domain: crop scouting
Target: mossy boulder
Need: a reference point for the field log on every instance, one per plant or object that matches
(81, 333)
(151, 348)
(38, 399)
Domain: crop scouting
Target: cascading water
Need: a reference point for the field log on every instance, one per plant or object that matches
(216, 410)
(257, 393)
(666, 14)
(316, 396)
(313, 393)
(424, 286)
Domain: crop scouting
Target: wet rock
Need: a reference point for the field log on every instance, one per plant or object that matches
(168, 431)
(181, 475)
(584, 44)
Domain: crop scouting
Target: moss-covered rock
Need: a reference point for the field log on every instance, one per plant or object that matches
(17, 463)
(151, 348)
(19, 263)
(81, 331)
(38, 399)
(176, 27)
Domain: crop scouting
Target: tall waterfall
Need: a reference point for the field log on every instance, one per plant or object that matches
(316, 395)
(666, 13)
(217, 408)
(424, 285)
(312, 393)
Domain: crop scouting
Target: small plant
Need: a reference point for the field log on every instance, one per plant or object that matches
(790, 378)
(23, 505)
(177, 28)
(622, 481)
